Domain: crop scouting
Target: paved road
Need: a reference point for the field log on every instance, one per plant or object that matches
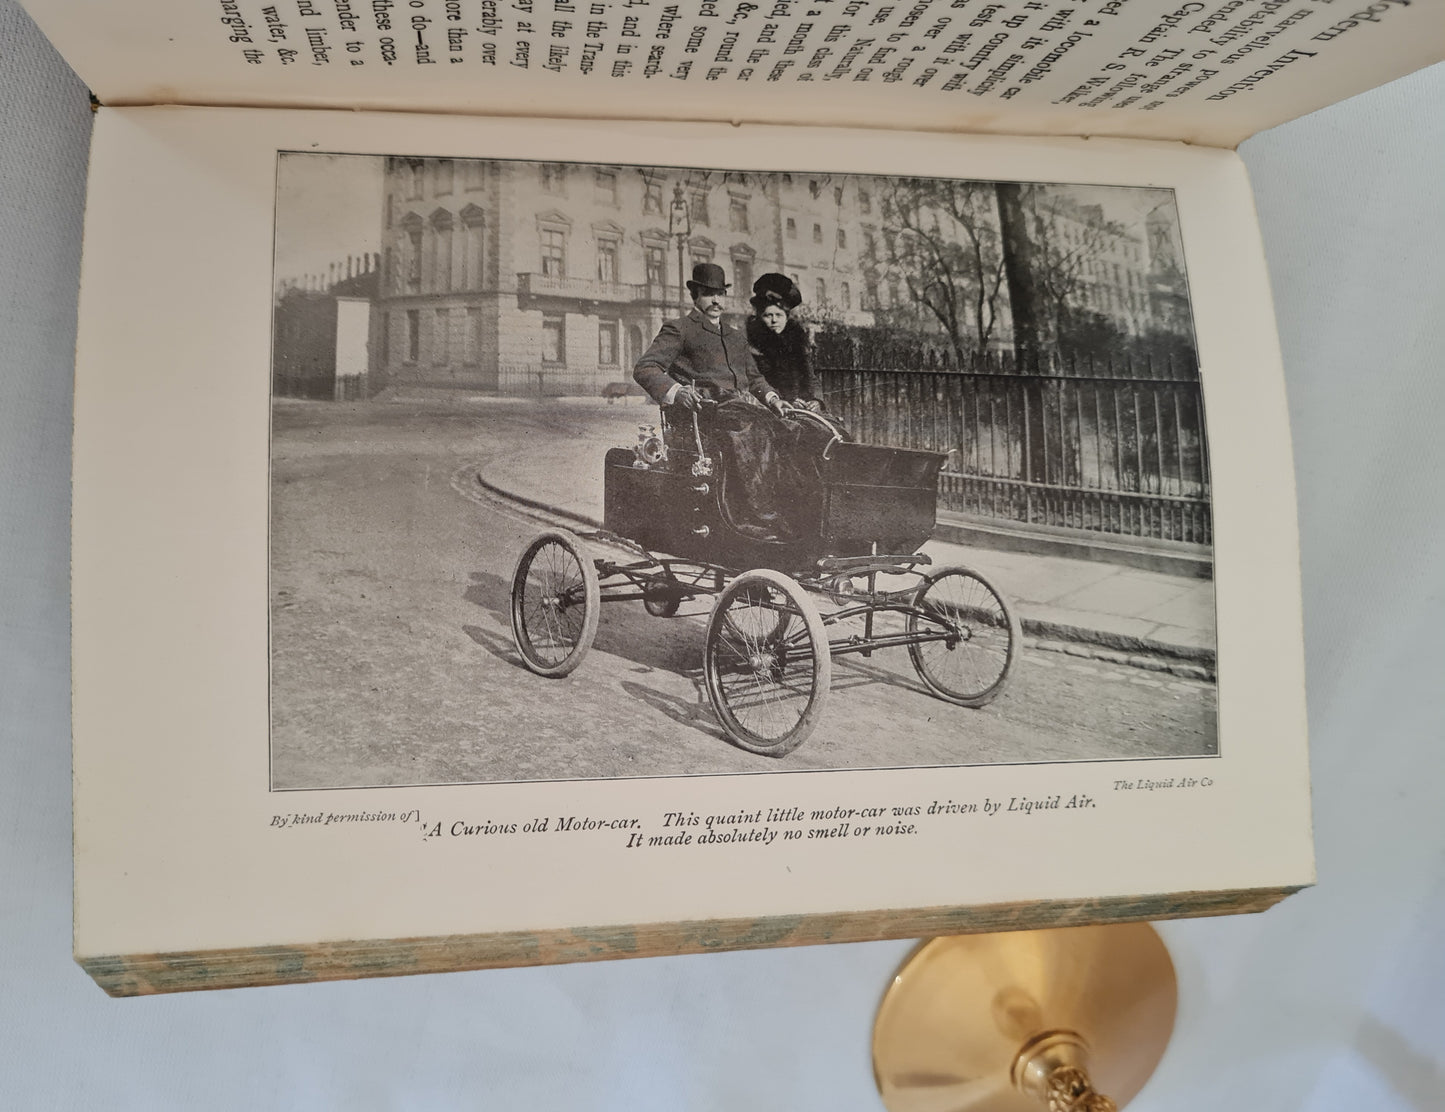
(393, 660)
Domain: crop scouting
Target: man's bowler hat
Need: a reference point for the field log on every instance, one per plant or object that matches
(707, 276)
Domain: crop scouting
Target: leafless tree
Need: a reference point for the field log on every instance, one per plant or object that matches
(942, 240)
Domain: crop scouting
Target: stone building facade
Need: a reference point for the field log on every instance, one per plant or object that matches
(1168, 285)
(552, 278)
(1101, 266)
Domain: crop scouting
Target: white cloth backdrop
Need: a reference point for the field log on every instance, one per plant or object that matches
(1331, 1002)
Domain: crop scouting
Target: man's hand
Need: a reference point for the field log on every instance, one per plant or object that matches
(776, 404)
(689, 398)
(812, 405)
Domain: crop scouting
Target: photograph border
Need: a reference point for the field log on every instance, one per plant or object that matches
(525, 511)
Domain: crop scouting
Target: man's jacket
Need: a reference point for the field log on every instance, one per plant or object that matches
(693, 350)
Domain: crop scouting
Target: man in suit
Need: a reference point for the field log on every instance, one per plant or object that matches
(698, 355)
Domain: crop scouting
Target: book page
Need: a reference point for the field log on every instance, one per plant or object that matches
(1210, 72)
(317, 698)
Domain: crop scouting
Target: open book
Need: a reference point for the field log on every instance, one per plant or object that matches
(411, 635)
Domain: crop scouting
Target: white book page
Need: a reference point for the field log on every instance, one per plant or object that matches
(180, 841)
(1210, 72)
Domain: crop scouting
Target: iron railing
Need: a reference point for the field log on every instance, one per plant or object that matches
(1097, 452)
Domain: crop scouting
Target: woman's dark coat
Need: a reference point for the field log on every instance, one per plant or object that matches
(785, 358)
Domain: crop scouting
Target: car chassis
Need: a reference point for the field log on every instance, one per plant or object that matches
(767, 660)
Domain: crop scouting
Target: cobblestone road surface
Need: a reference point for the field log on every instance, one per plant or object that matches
(392, 658)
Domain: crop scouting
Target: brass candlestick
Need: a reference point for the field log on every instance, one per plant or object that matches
(1026, 1020)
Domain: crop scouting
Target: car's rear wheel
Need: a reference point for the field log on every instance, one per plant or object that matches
(977, 637)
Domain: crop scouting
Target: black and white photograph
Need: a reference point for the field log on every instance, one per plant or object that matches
(592, 471)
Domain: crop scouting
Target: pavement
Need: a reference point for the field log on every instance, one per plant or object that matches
(1082, 607)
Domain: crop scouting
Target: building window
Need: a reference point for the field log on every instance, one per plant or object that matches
(870, 244)
(893, 298)
(652, 197)
(413, 258)
(655, 257)
(607, 343)
(473, 247)
(554, 252)
(837, 194)
(742, 274)
(865, 201)
(440, 339)
(817, 233)
(698, 206)
(845, 296)
(446, 251)
(473, 173)
(607, 260)
(554, 177)
(870, 295)
(701, 250)
(787, 179)
(813, 187)
(606, 182)
(414, 181)
(446, 176)
(472, 341)
(792, 228)
(822, 292)
(738, 214)
(413, 335)
(471, 276)
(842, 237)
(554, 340)
(441, 251)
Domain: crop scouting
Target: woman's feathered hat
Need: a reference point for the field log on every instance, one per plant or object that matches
(775, 289)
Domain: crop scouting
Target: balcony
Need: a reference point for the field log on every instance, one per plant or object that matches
(591, 292)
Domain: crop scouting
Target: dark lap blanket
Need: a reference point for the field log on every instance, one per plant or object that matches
(772, 484)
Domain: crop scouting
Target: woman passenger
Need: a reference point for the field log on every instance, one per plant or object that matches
(780, 345)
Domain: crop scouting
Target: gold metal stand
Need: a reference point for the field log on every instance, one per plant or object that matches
(1024, 1021)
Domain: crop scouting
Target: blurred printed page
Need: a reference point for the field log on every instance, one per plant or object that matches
(1211, 72)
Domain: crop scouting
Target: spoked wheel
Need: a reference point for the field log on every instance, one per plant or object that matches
(971, 666)
(766, 663)
(555, 603)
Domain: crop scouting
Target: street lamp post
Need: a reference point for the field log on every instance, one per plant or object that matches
(679, 225)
